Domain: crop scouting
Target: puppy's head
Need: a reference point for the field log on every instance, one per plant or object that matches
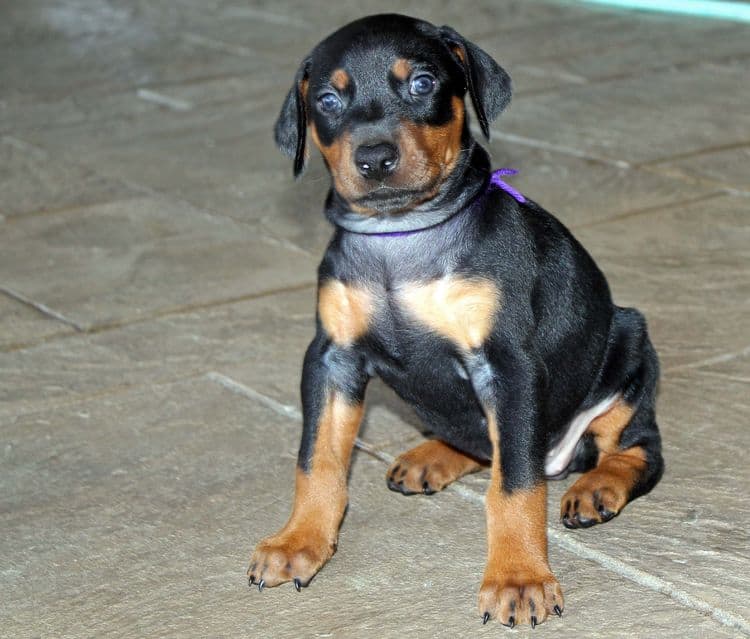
(383, 100)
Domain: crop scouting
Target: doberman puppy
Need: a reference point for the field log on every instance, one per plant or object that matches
(474, 303)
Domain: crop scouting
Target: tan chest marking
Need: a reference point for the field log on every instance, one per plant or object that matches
(461, 309)
(344, 311)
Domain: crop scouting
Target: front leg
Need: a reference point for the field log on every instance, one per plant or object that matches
(518, 585)
(333, 386)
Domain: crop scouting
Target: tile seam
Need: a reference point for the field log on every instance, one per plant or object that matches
(45, 310)
(709, 361)
(285, 410)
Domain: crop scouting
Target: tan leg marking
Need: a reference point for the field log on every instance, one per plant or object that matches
(309, 537)
(344, 310)
(463, 310)
(601, 493)
(428, 468)
(518, 585)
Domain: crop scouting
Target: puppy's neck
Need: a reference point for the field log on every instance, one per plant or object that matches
(463, 185)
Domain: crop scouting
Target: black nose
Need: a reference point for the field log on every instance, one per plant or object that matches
(376, 161)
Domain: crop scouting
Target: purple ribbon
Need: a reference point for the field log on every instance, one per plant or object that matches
(495, 179)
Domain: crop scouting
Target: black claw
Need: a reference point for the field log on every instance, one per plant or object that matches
(511, 622)
(558, 610)
(485, 618)
(605, 513)
(261, 585)
(251, 580)
(297, 584)
(533, 622)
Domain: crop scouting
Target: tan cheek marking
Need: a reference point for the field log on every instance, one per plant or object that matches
(338, 157)
(463, 310)
(340, 79)
(401, 69)
(331, 153)
(432, 152)
(344, 311)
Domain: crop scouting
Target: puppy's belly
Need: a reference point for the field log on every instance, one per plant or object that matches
(442, 395)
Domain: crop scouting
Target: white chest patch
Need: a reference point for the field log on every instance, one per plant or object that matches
(559, 457)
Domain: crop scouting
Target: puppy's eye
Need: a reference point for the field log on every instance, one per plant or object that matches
(422, 84)
(330, 103)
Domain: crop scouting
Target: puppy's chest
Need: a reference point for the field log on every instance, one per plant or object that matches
(398, 318)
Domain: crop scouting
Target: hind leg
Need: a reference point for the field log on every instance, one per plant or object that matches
(629, 465)
(626, 443)
(428, 468)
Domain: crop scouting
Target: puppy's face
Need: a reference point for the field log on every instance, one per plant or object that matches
(387, 113)
(383, 99)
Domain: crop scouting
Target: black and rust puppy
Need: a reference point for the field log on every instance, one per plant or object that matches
(476, 305)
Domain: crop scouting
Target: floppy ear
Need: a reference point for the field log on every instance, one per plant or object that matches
(488, 83)
(290, 130)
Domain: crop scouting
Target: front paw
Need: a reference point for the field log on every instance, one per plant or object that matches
(519, 598)
(289, 556)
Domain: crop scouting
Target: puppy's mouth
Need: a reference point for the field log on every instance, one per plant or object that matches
(384, 199)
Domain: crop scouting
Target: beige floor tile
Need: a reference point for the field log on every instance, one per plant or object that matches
(726, 168)
(686, 268)
(135, 515)
(131, 259)
(31, 182)
(639, 118)
(260, 343)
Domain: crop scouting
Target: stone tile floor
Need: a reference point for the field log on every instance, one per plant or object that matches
(157, 289)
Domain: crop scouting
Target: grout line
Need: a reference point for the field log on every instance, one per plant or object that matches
(285, 410)
(716, 359)
(157, 315)
(164, 100)
(197, 306)
(696, 153)
(652, 582)
(566, 150)
(42, 308)
(649, 167)
(640, 577)
(725, 376)
(220, 45)
(24, 146)
(646, 210)
(268, 17)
